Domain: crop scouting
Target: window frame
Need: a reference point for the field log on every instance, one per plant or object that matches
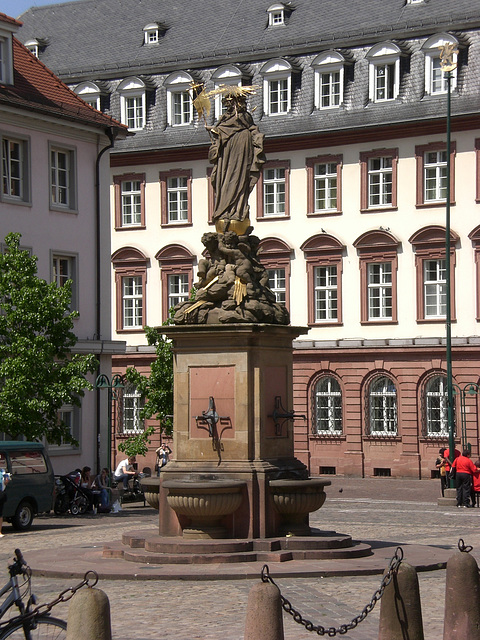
(131, 392)
(276, 254)
(311, 164)
(420, 152)
(6, 54)
(277, 70)
(129, 262)
(474, 236)
(118, 182)
(229, 75)
(75, 430)
(137, 302)
(431, 49)
(370, 408)
(72, 259)
(133, 88)
(427, 432)
(429, 244)
(323, 250)
(165, 177)
(25, 167)
(273, 164)
(174, 259)
(386, 55)
(377, 247)
(176, 84)
(90, 93)
(365, 174)
(151, 29)
(71, 205)
(328, 63)
(331, 396)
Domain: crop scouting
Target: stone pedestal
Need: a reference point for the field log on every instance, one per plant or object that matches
(247, 370)
(449, 498)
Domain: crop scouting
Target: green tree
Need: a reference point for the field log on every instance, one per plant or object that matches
(158, 387)
(38, 372)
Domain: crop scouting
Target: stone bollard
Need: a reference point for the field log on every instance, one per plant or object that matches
(89, 616)
(462, 599)
(400, 607)
(264, 613)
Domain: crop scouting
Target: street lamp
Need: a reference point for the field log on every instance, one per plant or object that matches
(447, 64)
(114, 385)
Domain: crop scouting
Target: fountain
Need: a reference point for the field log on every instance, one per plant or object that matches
(234, 491)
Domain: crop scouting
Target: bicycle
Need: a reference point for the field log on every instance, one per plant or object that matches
(30, 624)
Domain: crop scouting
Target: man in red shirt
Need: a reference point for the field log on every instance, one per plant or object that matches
(465, 470)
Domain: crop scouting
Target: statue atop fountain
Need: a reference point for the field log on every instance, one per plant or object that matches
(232, 283)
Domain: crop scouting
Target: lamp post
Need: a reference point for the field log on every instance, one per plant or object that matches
(114, 385)
(447, 64)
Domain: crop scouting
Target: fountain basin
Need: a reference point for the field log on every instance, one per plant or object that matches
(151, 486)
(294, 500)
(205, 503)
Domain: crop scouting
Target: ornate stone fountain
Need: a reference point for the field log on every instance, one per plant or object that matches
(234, 489)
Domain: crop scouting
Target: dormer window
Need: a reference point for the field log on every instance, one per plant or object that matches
(329, 80)
(90, 93)
(277, 87)
(179, 102)
(384, 72)
(435, 78)
(6, 51)
(276, 15)
(133, 103)
(33, 46)
(228, 75)
(151, 33)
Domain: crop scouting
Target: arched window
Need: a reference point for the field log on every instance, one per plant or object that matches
(435, 401)
(132, 405)
(435, 78)
(327, 407)
(133, 103)
(382, 407)
(176, 263)
(328, 79)
(228, 75)
(90, 92)
(277, 87)
(384, 72)
(130, 266)
(179, 102)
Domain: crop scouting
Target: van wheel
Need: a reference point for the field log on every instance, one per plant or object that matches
(23, 518)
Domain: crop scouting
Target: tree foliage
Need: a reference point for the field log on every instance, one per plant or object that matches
(158, 387)
(38, 372)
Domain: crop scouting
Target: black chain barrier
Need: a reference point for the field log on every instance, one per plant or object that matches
(344, 628)
(90, 579)
(463, 547)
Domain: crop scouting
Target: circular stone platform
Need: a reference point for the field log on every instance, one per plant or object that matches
(365, 558)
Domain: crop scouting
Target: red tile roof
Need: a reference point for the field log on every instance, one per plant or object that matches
(9, 20)
(36, 88)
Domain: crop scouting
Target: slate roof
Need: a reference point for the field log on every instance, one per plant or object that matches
(37, 89)
(102, 40)
(106, 36)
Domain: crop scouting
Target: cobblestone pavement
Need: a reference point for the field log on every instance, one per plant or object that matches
(402, 511)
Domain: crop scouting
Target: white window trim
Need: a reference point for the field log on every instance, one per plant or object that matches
(178, 190)
(73, 260)
(178, 83)
(182, 294)
(328, 179)
(276, 70)
(6, 53)
(228, 75)
(150, 30)
(277, 283)
(33, 46)
(432, 52)
(276, 15)
(329, 291)
(440, 285)
(439, 165)
(380, 291)
(132, 88)
(328, 62)
(131, 194)
(90, 93)
(71, 204)
(24, 141)
(382, 174)
(386, 406)
(332, 398)
(441, 397)
(137, 303)
(379, 55)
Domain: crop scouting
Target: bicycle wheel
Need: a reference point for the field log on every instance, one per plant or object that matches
(43, 628)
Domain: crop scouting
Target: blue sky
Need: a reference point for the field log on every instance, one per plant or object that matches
(16, 7)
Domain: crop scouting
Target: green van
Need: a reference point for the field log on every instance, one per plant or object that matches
(30, 490)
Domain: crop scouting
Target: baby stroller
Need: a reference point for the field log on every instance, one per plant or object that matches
(69, 495)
